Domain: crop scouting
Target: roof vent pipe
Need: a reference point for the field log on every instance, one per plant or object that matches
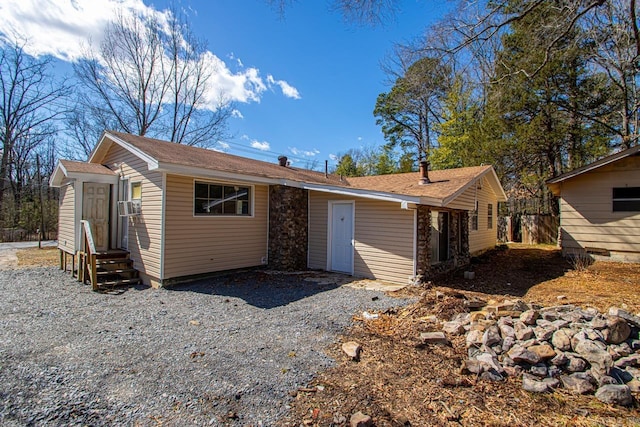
(282, 160)
(424, 173)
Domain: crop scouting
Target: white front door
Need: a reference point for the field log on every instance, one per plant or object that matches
(95, 209)
(341, 237)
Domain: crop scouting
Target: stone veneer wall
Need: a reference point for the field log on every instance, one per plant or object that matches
(423, 243)
(458, 245)
(288, 227)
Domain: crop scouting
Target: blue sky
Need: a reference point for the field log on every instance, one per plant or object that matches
(305, 84)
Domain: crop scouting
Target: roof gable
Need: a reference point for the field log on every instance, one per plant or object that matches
(71, 169)
(445, 186)
(554, 183)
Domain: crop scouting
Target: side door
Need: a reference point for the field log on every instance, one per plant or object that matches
(95, 209)
(341, 237)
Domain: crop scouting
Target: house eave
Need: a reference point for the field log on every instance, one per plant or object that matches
(216, 174)
(61, 176)
(595, 165)
(367, 194)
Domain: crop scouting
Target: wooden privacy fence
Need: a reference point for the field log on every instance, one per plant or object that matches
(530, 229)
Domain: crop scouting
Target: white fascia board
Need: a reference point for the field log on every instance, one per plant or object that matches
(58, 175)
(150, 161)
(464, 188)
(494, 182)
(214, 174)
(91, 177)
(354, 192)
(595, 165)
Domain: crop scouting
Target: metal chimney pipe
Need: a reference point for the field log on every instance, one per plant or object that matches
(424, 172)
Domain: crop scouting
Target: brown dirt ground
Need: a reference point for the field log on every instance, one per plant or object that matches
(400, 382)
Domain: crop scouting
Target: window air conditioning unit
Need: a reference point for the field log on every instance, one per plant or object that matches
(129, 207)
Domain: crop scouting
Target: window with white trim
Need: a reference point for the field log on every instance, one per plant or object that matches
(211, 199)
(489, 216)
(626, 199)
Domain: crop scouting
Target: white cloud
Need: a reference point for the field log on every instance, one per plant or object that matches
(63, 29)
(333, 157)
(237, 114)
(221, 147)
(287, 90)
(262, 146)
(304, 153)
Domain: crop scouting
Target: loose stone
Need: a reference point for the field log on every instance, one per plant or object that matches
(529, 317)
(576, 384)
(352, 349)
(615, 395)
(434, 338)
(532, 384)
(561, 339)
(520, 354)
(617, 330)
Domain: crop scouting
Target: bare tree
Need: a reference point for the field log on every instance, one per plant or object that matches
(613, 29)
(126, 77)
(191, 121)
(29, 103)
(150, 78)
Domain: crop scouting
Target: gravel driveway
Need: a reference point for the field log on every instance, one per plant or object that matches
(225, 351)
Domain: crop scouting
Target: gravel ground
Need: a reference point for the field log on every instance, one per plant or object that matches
(225, 351)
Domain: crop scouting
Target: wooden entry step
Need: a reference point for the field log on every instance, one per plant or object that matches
(115, 268)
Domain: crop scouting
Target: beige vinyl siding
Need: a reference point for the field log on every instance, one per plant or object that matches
(586, 209)
(66, 218)
(145, 230)
(205, 244)
(484, 237)
(384, 237)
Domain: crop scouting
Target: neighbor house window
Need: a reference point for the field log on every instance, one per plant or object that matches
(473, 217)
(626, 199)
(489, 216)
(219, 199)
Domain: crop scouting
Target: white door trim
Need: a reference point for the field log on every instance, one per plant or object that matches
(124, 193)
(330, 204)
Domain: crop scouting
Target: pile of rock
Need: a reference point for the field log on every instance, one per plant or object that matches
(581, 350)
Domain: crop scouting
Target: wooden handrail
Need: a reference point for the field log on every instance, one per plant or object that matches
(90, 260)
(86, 228)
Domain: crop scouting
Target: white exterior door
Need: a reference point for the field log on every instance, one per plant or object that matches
(341, 237)
(95, 209)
